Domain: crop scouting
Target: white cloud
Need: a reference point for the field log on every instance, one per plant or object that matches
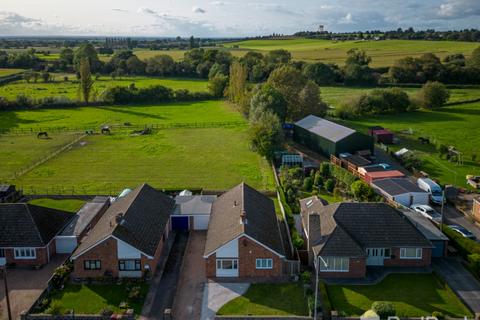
(455, 9)
(219, 3)
(120, 10)
(198, 10)
(347, 19)
(146, 10)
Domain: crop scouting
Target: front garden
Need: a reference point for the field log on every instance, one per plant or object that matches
(412, 295)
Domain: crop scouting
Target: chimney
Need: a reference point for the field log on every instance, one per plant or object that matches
(314, 229)
(119, 219)
(243, 217)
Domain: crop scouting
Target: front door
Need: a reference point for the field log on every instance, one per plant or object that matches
(227, 267)
(375, 256)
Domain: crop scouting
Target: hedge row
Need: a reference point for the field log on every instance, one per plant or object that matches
(464, 245)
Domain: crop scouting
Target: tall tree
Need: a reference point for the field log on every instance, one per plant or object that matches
(86, 81)
(266, 134)
(87, 50)
(433, 95)
(237, 86)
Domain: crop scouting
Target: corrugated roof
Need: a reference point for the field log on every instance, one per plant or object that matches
(324, 128)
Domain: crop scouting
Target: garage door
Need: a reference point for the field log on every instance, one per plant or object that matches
(439, 249)
(65, 244)
(180, 223)
(200, 222)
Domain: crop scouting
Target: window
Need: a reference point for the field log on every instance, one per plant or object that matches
(25, 253)
(264, 263)
(2, 253)
(227, 264)
(411, 253)
(334, 264)
(92, 264)
(129, 265)
(387, 254)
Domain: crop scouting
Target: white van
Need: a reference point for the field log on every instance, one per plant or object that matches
(430, 186)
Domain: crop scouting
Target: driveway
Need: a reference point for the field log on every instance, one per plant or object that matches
(453, 216)
(215, 295)
(460, 280)
(25, 286)
(188, 300)
(162, 291)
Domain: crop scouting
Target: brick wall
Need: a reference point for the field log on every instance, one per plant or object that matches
(397, 262)
(357, 269)
(476, 209)
(41, 258)
(210, 266)
(106, 252)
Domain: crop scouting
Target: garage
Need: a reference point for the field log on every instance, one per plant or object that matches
(200, 222)
(438, 250)
(180, 223)
(65, 244)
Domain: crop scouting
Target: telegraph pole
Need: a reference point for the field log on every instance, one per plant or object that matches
(443, 204)
(9, 311)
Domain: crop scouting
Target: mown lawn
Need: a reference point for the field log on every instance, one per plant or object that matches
(414, 295)
(69, 89)
(453, 126)
(69, 205)
(91, 298)
(279, 299)
(383, 53)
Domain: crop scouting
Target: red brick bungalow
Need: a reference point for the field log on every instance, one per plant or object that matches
(244, 239)
(27, 233)
(345, 238)
(129, 238)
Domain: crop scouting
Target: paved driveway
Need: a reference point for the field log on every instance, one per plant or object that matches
(460, 280)
(25, 286)
(453, 216)
(188, 300)
(215, 295)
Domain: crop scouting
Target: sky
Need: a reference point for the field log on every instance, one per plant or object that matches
(229, 18)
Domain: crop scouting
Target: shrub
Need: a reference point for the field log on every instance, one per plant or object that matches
(306, 277)
(307, 184)
(464, 246)
(433, 95)
(362, 191)
(134, 293)
(329, 185)
(474, 260)
(297, 240)
(384, 309)
(438, 315)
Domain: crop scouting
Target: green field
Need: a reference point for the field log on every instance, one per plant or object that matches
(213, 157)
(7, 72)
(414, 295)
(69, 205)
(69, 88)
(383, 53)
(335, 95)
(454, 125)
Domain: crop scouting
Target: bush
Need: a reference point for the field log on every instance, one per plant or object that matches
(464, 246)
(362, 191)
(297, 240)
(433, 95)
(329, 185)
(438, 315)
(474, 261)
(306, 277)
(307, 184)
(384, 309)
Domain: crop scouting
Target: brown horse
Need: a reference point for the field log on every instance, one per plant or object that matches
(43, 134)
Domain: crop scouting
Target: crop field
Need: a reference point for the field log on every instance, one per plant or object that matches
(8, 72)
(383, 53)
(335, 95)
(69, 88)
(214, 157)
(453, 126)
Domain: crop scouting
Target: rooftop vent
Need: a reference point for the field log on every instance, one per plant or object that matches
(243, 218)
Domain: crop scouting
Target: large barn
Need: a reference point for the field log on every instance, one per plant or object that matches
(327, 137)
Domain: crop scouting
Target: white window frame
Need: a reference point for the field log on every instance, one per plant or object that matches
(2, 253)
(334, 264)
(234, 263)
(418, 254)
(25, 253)
(263, 263)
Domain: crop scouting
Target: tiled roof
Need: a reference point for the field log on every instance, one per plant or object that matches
(138, 219)
(261, 221)
(26, 225)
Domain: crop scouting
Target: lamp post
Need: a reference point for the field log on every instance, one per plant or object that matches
(5, 283)
(441, 210)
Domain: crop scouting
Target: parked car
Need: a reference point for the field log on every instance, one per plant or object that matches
(462, 231)
(430, 186)
(427, 212)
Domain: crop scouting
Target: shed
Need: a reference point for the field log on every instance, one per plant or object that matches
(369, 177)
(401, 190)
(381, 135)
(192, 212)
(292, 160)
(431, 232)
(329, 138)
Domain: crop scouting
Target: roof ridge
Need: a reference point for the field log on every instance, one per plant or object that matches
(34, 222)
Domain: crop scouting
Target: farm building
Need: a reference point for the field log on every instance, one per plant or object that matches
(401, 190)
(369, 177)
(476, 209)
(329, 138)
(192, 212)
(431, 232)
(381, 135)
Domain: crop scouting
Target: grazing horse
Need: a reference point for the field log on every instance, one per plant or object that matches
(43, 134)
(424, 140)
(106, 130)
